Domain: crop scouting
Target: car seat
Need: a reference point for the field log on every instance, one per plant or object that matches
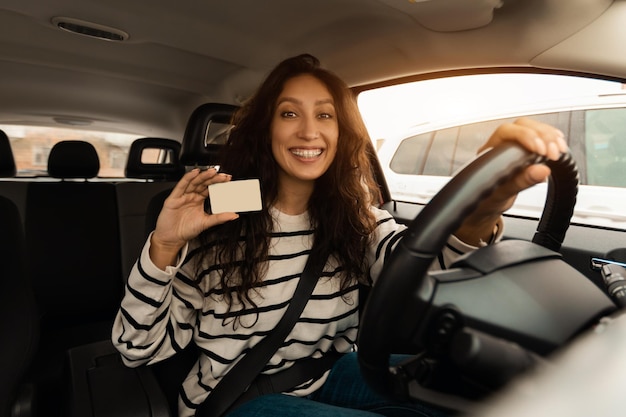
(154, 164)
(98, 378)
(19, 321)
(195, 151)
(72, 238)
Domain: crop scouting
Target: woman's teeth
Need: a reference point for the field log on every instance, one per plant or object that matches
(306, 153)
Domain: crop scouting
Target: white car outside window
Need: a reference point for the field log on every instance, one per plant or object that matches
(418, 162)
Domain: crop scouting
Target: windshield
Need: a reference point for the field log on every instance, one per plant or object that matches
(425, 131)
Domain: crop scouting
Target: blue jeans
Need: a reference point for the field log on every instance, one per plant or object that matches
(345, 394)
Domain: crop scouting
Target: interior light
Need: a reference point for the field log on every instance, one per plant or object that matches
(93, 30)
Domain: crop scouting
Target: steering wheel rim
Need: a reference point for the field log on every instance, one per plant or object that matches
(405, 269)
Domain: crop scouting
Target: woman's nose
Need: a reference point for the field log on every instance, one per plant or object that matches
(309, 129)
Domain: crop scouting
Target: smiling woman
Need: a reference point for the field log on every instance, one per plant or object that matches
(304, 137)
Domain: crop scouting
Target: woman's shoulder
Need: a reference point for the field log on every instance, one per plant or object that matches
(381, 214)
(385, 222)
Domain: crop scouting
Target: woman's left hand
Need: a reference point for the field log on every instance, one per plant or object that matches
(535, 136)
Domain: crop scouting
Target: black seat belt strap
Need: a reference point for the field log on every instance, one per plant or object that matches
(239, 378)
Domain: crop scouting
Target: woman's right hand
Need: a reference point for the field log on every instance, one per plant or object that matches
(182, 217)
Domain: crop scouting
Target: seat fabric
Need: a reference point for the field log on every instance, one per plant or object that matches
(19, 320)
(72, 237)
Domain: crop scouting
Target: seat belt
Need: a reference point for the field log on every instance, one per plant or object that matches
(239, 378)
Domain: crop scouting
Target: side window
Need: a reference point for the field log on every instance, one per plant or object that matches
(472, 137)
(409, 157)
(440, 155)
(605, 138)
(563, 121)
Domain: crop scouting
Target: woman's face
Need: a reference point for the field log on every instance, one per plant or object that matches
(304, 130)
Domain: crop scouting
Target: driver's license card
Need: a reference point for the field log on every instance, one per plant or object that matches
(235, 196)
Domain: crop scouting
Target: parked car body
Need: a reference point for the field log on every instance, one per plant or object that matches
(418, 163)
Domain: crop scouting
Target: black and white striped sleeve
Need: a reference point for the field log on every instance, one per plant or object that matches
(157, 312)
(388, 233)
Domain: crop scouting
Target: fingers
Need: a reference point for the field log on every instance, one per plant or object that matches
(535, 136)
(532, 175)
(538, 137)
(203, 179)
(480, 223)
(196, 182)
(182, 184)
(216, 219)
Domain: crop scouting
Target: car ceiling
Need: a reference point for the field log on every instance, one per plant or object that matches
(179, 55)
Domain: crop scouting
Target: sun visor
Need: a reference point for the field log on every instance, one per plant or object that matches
(448, 15)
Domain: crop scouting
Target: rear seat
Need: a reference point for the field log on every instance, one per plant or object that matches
(72, 235)
(82, 238)
(72, 240)
(19, 321)
(133, 197)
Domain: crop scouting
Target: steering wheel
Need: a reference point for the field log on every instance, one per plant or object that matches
(391, 299)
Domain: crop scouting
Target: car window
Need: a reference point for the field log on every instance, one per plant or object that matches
(418, 163)
(410, 155)
(605, 132)
(31, 146)
(439, 160)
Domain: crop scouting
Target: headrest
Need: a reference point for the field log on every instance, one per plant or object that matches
(163, 165)
(196, 149)
(73, 159)
(7, 163)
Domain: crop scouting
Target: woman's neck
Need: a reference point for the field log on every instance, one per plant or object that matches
(293, 197)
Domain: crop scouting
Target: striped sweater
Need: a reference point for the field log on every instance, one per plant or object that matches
(162, 311)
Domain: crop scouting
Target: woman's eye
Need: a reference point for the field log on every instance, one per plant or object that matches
(288, 114)
(325, 116)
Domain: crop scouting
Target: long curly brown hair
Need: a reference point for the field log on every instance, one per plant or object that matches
(339, 207)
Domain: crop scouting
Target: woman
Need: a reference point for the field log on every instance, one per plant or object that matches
(224, 280)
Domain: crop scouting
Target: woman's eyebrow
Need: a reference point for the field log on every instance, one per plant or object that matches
(289, 100)
(297, 101)
(325, 101)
